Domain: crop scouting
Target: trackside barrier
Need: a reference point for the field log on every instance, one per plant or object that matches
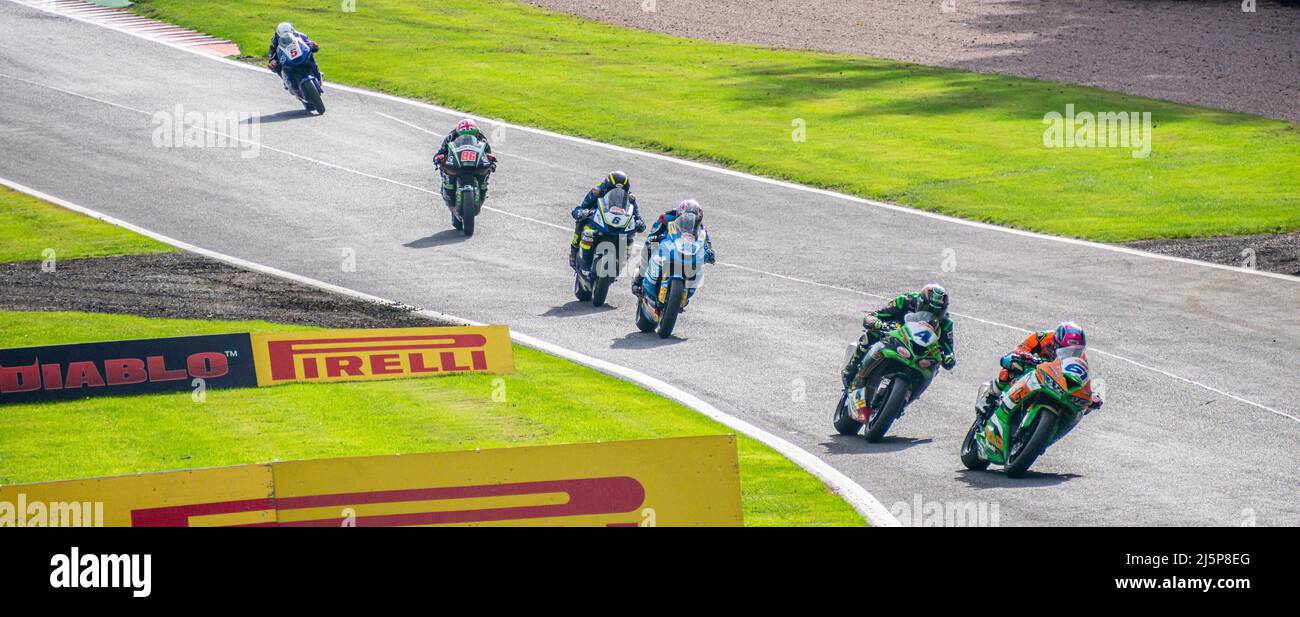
(62, 372)
(685, 481)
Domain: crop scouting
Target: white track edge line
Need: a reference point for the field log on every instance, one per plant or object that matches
(723, 264)
(697, 165)
(857, 496)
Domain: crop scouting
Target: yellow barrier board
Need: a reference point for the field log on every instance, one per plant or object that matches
(687, 481)
(216, 497)
(348, 355)
(684, 481)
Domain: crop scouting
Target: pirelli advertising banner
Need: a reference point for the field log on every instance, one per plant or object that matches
(61, 372)
(344, 355)
(688, 481)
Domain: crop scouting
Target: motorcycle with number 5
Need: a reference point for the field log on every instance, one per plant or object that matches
(293, 55)
(1038, 409)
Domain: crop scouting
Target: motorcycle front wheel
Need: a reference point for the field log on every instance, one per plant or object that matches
(1019, 464)
(880, 421)
(672, 307)
(312, 95)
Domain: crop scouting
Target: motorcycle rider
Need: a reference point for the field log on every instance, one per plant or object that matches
(660, 229)
(932, 298)
(285, 32)
(464, 127)
(582, 214)
(1037, 348)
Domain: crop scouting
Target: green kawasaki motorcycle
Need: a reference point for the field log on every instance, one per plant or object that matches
(1037, 410)
(902, 360)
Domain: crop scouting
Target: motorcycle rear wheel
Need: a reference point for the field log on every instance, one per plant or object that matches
(970, 450)
(880, 421)
(844, 423)
(578, 291)
(644, 322)
(1044, 424)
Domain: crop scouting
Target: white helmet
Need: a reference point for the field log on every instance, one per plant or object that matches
(285, 31)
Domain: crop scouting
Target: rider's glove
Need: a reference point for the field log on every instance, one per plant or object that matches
(314, 46)
(640, 225)
(272, 64)
(711, 258)
(870, 322)
(949, 362)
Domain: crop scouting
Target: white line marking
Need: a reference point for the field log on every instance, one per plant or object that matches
(697, 165)
(854, 494)
(736, 266)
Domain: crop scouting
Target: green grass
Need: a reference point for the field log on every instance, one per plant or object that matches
(29, 226)
(959, 143)
(548, 401)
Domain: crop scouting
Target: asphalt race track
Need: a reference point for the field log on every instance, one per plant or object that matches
(1200, 363)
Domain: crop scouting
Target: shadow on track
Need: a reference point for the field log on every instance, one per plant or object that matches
(996, 479)
(442, 238)
(645, 340)
(856, 444)
(577, 308)
(280, 116)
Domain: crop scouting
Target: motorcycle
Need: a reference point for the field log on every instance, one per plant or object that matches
(672, 275)
(1038, 409)
(603, 248)
(468, 165)
(300, 80)
(902, 360)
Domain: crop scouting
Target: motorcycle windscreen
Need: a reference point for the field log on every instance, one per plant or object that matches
(614, 210)
(467, 151)
(292, 51)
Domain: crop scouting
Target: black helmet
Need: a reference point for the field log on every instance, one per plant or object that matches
(934, 298)
(619, 180)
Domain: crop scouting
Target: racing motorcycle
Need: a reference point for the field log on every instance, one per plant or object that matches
(467, 165)
(672, 275)
(903, 359)
(300, 80)
(604, 246)
(1037, 410)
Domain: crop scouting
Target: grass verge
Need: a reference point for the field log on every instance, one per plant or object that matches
(548, 401)
(959, 143)
(30, 227)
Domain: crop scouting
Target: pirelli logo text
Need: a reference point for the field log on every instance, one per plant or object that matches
(344, 355)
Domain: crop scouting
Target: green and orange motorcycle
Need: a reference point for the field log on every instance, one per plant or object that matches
(1036, 410)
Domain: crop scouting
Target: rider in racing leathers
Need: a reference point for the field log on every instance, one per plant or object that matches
(284, 32)
(933, 299)
(464, 127)
(660, 229)
(1037, 348)
(582, 214)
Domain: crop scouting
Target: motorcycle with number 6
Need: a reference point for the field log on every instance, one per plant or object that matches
(1038, 409)
(903, 359)
(604, 246)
